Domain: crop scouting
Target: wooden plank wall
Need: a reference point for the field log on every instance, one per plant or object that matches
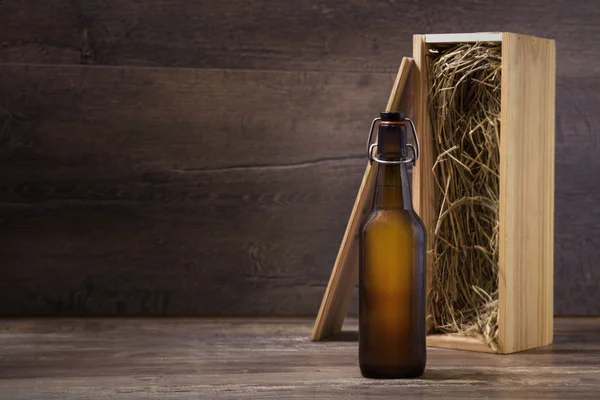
(176, 157)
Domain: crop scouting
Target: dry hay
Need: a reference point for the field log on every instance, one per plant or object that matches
(464, 104)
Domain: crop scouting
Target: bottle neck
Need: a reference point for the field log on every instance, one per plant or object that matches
(392, 189)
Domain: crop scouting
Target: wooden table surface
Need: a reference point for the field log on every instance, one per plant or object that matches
(187, 358)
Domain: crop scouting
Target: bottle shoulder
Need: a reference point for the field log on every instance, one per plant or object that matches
(384, 216)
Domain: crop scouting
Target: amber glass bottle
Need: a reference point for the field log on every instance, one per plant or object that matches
(392, 263)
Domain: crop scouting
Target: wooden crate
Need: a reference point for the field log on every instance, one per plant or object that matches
(526, 186)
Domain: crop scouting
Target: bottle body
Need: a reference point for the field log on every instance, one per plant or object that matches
(392, 281)
(392, 296)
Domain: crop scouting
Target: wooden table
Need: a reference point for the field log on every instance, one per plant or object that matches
(188, 358)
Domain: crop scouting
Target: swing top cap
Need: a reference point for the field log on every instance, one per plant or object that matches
(391, 116)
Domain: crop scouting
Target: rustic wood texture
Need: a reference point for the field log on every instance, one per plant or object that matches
(329, 37)
(125, 121)
(157, 191)
(526, 218)
(268, 359)
(314, 34)
(424, 195)
(344, 274)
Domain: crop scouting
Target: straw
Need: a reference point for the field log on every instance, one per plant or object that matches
(464, 104)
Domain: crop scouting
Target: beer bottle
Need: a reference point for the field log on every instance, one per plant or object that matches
(392, 262)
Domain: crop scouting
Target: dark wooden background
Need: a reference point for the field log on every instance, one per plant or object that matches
(201, 157)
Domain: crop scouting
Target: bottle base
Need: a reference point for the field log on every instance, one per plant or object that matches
(388, 372)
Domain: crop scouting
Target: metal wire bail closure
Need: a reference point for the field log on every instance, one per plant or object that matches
(416, 150)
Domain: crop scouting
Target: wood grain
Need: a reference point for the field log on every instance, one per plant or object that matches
(175, 358)
(310, 35)
(125, 121)
(159, 191)
(229, 242)
(251, 37)
(344, 274)
(526, 218)
(459, 342)
(62, 141)
(423, 186)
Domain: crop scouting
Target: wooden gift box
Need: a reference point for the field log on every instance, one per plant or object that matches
(526, 217)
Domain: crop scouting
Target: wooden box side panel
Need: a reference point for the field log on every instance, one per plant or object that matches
(526, 262)
(423, 184)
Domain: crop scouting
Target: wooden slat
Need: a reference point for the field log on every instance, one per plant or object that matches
(423, 186)
(456, 342)
(463, 37)
(86, 129)
(242, 241)
(345, 270)
(173, 191)
(576, 233)
(526, 235)
(311, 35)
(268, 359)
(37, 165)
(181, 119)
(399, 89)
